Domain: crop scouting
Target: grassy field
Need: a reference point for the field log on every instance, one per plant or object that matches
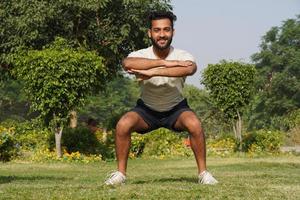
(240, 178)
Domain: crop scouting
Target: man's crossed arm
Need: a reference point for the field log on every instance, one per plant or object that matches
(145, 68)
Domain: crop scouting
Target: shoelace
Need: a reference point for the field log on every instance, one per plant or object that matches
(111, 174)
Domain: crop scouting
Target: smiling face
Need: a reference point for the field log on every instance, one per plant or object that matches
(161, 33)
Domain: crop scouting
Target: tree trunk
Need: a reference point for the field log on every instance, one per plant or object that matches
(237, 129)
(234, 130)
(104, 136)
(58, 134)
(73, 119)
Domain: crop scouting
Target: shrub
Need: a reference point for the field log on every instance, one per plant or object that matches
(31, 137)
(138, 143)
(8, 144)
(45, 155)
(165, 143)
(82, 140)
(79, 139)
(263, 140)
(295, 135)
(222, 146)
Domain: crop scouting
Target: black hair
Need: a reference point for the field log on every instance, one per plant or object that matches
(162, 15)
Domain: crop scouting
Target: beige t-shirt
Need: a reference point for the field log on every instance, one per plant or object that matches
(162, 93)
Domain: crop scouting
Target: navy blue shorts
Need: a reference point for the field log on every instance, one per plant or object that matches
(157, 119)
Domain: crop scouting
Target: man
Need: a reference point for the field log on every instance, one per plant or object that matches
(161, 70)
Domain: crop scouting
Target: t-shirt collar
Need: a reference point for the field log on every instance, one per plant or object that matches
(170, 52)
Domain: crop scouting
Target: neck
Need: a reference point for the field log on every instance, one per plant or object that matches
(162, 54)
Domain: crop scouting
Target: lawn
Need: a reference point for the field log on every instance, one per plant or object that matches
(240, 178)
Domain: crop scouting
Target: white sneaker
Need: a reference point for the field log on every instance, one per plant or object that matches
(115, 178)
(206, 178)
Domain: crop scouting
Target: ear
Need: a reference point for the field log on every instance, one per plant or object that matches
(149, 33)
(173, 32)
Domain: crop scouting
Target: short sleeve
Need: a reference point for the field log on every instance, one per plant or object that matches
(187, 56)
(137, 54)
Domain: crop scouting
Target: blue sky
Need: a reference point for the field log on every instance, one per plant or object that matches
(226, 29)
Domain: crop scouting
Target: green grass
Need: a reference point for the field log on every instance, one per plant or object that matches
(240, 178)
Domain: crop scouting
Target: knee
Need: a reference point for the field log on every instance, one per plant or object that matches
(194, 127)
(124, 126)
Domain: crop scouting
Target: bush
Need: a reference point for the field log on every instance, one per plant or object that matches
(295, 135)
(138, 143)
(222, 146)
(165, 143)
(82, 140)
(79, 139)
(263, 140)
(30, 137)
(8, 144)
(45, 155)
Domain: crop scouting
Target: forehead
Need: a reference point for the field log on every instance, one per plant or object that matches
(161, 23)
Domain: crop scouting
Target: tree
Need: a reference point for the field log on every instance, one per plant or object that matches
(57, 79)
(278, 64)
(119, 96)
(201, 103)
(111, 27)
(230, 87)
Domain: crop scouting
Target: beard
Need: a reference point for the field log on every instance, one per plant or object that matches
(162, 47)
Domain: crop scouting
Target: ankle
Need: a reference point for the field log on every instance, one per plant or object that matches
(202, 172)
(122, 172)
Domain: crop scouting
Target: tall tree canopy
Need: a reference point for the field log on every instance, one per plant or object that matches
(112, 27)
(278, 64)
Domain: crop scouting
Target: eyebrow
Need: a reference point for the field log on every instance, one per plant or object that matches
(167, 27)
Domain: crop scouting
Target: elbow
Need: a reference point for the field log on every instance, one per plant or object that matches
(192, 70)
(126, 64)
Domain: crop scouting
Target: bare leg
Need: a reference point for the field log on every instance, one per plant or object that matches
(189, 121)
(128, 123)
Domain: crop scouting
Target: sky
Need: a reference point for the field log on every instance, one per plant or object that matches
(212, 30)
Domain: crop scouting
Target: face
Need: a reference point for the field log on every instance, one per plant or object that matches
(161, 33)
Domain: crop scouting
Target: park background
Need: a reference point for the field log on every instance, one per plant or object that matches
(62, 90)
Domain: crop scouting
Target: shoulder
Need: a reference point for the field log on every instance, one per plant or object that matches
(141, 53)
(183, 55)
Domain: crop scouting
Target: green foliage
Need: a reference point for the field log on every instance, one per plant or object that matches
(13, 103)
(86, 143)
(211, 117)
(58, 78)
(80, 139)
(278, 85)
(230, 85)
(224, 146)
(45, 155)
(30, 137)
(107, 106)
(263, 141)
(160, 143)
(112, 27)
(138, 143)
(8, 144)
(293, 119)
(163, 143)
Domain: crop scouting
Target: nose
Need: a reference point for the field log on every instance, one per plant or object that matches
(162, 34)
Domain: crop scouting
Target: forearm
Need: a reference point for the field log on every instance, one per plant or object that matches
(132, 63)
(175, 71)
(142, 63)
